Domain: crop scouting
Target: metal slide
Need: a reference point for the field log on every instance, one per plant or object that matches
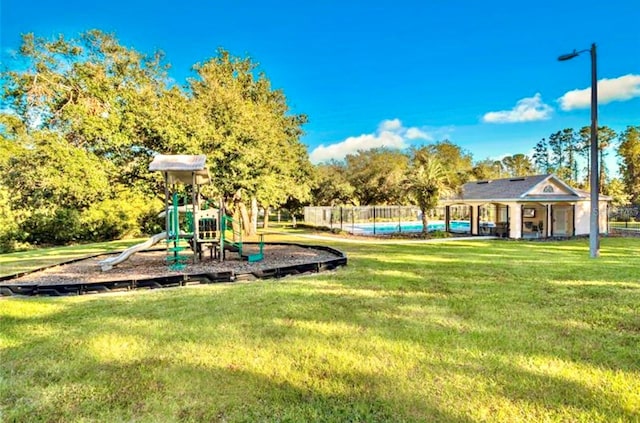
(108, 264)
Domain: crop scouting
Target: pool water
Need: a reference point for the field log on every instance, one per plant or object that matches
(458, 226)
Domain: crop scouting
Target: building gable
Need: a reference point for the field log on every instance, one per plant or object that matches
(550, 187)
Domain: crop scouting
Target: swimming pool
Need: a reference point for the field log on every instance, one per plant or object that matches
(381, 228)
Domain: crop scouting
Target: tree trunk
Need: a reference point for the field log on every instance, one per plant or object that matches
(254, 215)
(240, 213)
(425, 228)
(246, 221)
(602, 170)
(265, 221)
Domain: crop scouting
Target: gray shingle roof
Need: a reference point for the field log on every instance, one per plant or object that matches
(508, 188)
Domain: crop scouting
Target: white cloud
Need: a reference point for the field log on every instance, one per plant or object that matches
(390, 133)
(390, 125)
(416, 134)
(528, 109)
(618, 89)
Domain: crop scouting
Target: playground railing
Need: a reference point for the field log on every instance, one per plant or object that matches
(231, 233)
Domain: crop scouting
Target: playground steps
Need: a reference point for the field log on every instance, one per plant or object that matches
(252, 258)
(176, 259)
(237, 247)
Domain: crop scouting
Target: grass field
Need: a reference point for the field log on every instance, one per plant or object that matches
(459, 332)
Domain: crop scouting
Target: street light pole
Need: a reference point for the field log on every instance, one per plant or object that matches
(594, 240)
(594, 177)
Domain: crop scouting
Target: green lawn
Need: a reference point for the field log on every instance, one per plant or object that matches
(461, 332)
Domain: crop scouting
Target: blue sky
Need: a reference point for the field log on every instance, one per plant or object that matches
(401, 73)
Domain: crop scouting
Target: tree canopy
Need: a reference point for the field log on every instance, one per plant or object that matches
(83, 117)
(629, 152)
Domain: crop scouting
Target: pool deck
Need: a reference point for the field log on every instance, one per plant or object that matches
(386, 241)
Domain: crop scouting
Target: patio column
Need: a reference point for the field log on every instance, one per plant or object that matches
(515, 225)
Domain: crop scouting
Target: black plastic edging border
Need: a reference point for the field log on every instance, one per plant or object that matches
(169, 281)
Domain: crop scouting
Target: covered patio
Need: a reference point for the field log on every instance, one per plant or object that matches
(528, 207)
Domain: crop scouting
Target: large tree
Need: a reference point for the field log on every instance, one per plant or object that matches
(111, 108)
(606, 137)
(456, 161)
(331, 186)
(98, 95)
(249, 135)
(488, 169)
(377, 175)
(84, 115)
(541, 157)
(629, 152)
(518, 165)
(616, 190)
(564, 147)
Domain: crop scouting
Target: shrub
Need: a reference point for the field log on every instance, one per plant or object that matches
(128, 214)
(51, 225)
(9, 229)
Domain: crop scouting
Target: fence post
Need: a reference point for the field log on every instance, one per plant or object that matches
(374, 220)
(353, 219)
(340, 217)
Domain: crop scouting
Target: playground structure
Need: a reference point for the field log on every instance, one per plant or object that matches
(194, 226)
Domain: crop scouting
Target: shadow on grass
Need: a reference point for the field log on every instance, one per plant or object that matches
(450, 335)
(423, 334)
(67, 380)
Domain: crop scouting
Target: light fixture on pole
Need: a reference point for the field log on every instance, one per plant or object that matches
(594, 177)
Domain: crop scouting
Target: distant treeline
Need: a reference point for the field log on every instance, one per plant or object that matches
(80, 120)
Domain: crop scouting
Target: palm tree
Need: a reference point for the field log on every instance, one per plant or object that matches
(426, 182)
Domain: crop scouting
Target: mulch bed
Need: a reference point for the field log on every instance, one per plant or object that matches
(151, 264)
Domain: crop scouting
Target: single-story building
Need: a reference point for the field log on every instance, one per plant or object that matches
(539, 206)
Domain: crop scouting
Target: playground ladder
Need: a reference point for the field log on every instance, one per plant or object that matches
(175, 243)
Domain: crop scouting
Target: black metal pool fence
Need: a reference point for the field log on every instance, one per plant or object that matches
(624, 220)
(376, 219)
